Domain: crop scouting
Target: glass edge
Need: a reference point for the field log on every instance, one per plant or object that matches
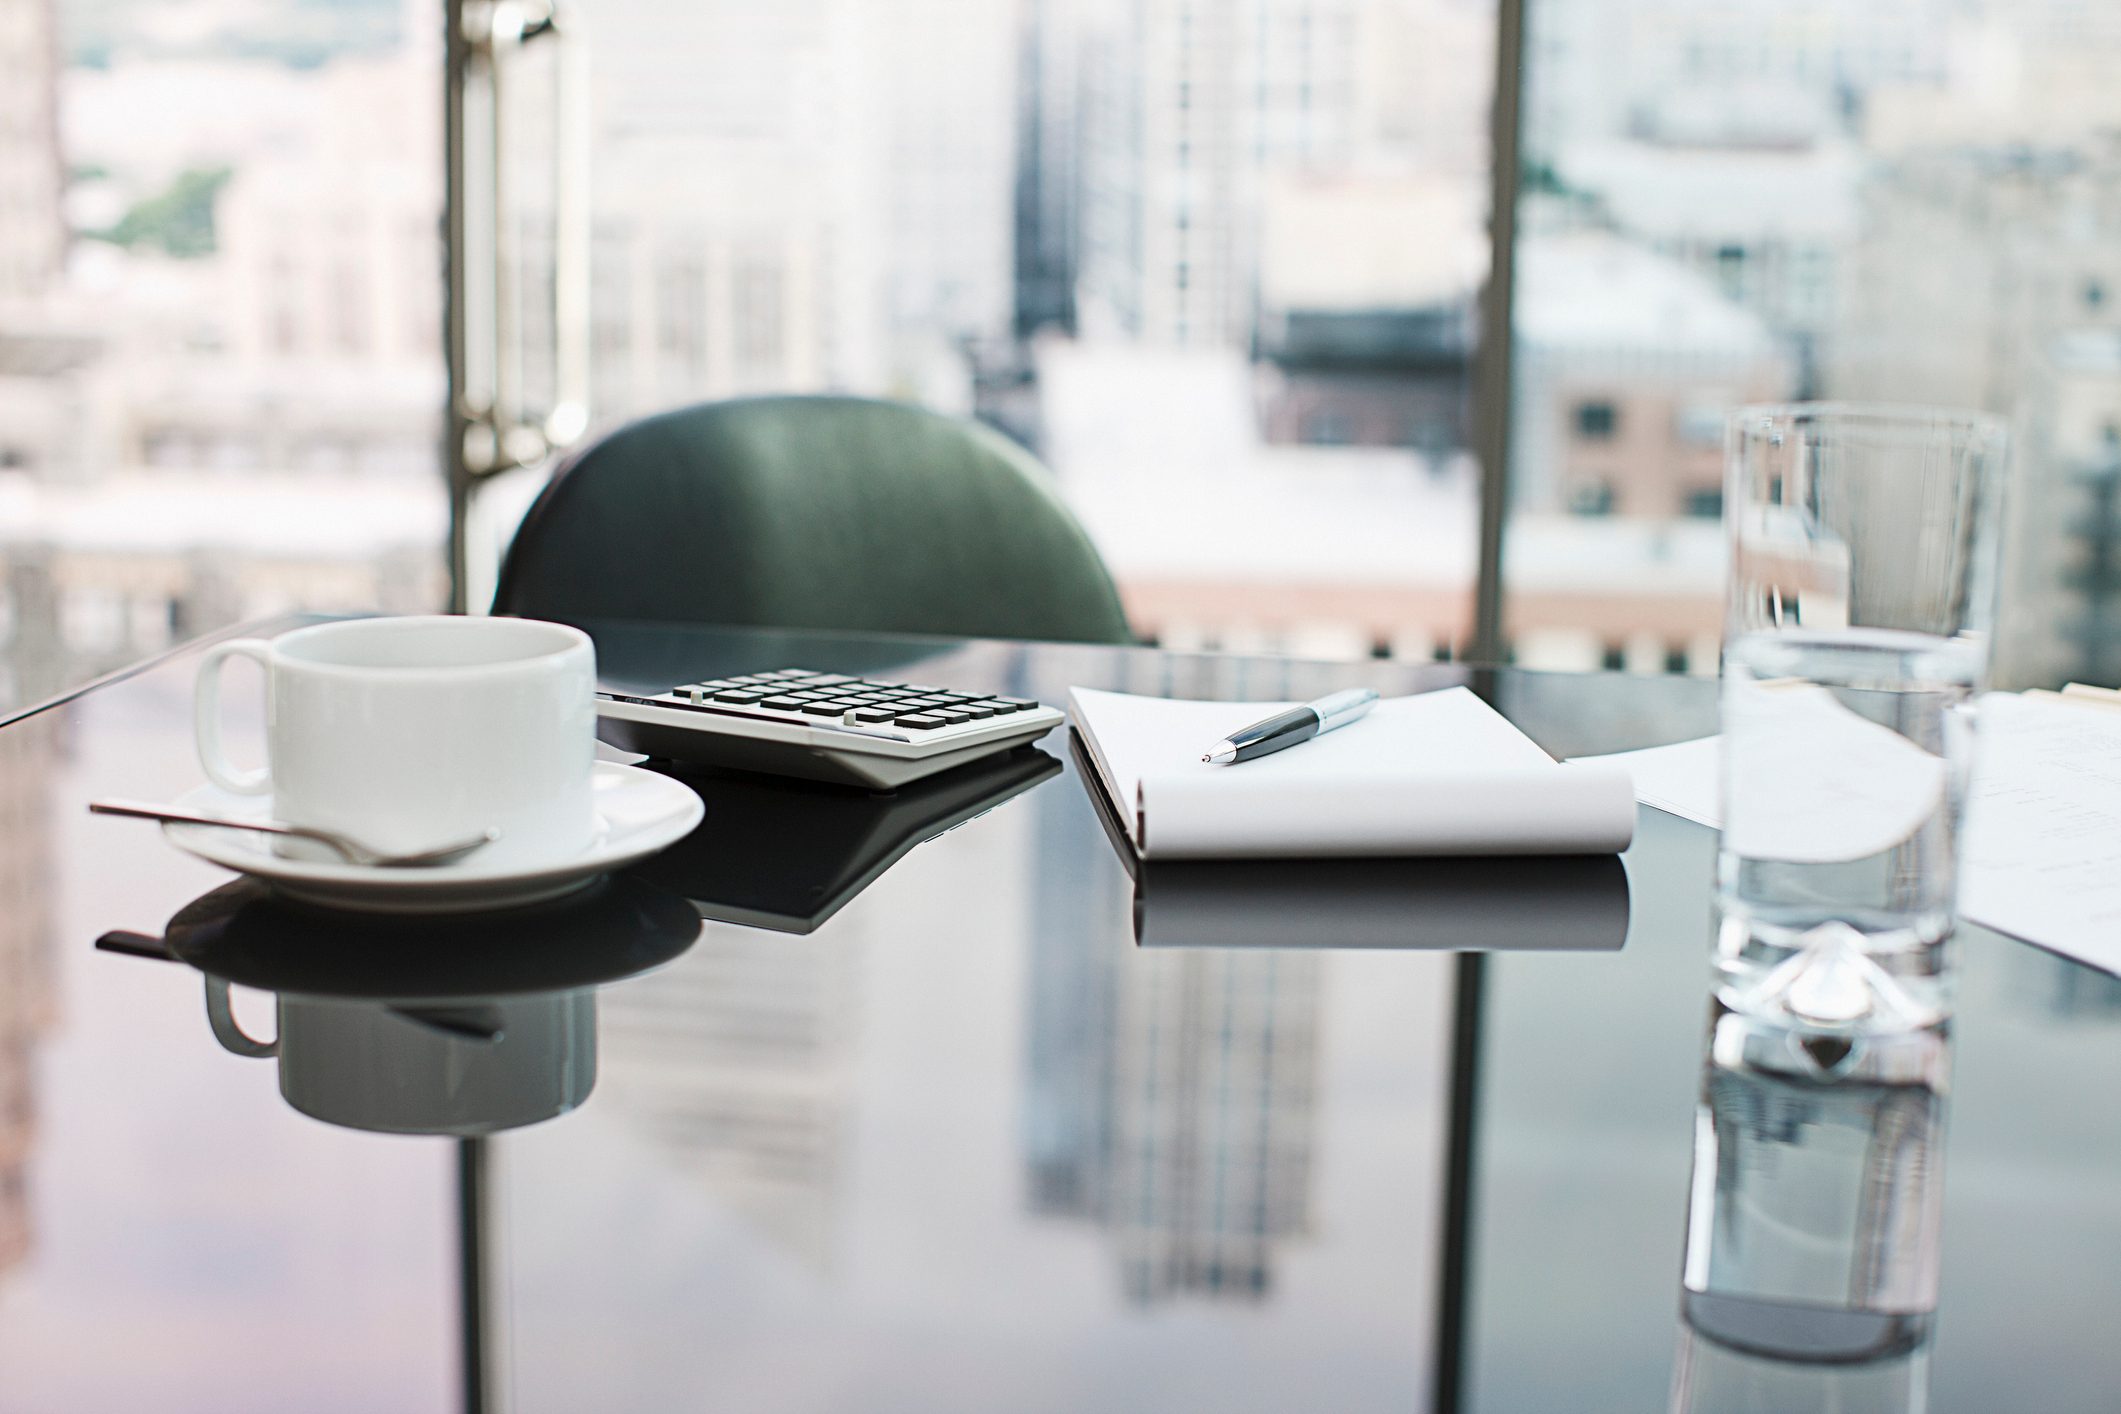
(1991, 424)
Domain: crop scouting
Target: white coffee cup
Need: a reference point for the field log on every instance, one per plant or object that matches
(409, 733)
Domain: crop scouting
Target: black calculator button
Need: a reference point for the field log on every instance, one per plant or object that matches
(920, 720)
(873, 714)
(783, 704)
(975, 711)
(1007, 704)
(951, 716)
(741, 695)
(822, 709)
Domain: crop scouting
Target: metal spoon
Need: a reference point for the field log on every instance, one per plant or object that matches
(352, 851)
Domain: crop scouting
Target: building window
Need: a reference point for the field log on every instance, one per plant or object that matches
(1699, 425)
(1705, 503)
(1596, 421)
(1326, 427)
(2094, 295)
(1591, 498)
(757, 315)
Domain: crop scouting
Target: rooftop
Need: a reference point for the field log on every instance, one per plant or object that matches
(1591, 290)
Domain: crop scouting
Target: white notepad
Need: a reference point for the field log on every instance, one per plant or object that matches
(1441, 773)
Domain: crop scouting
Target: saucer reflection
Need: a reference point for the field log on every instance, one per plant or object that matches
(1810, 1276)
(464, 1025)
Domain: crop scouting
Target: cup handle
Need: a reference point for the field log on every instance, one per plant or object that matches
(222, 1017)
(206, 717)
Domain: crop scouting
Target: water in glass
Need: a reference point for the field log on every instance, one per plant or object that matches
(1846, 760)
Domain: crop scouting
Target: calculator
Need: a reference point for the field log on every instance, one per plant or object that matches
(821, 726)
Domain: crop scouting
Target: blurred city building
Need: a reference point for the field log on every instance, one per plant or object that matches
(28, 988)
(1218, 261)
(220, 396)
(737, 1063)
(32, 229)
(1170, 1104)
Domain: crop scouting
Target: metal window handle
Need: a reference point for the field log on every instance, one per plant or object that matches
(496, 428)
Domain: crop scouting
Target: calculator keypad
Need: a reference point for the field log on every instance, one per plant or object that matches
(825, 699)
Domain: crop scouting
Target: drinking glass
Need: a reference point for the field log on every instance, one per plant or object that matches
(1863, 544)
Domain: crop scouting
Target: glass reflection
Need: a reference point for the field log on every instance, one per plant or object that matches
(462, 1025)
(1810, 1276)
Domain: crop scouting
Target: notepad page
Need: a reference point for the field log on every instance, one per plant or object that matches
(1438, 773)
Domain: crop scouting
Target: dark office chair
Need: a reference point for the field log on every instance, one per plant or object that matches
(812, 512)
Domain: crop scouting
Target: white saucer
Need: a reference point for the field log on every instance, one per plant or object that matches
(638, 813)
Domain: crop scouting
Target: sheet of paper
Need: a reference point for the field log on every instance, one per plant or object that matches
(1812, 782)
(1438, 773)
(2042, 854)
(1683, 779)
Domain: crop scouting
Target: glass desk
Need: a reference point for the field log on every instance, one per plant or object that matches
(879, 1104)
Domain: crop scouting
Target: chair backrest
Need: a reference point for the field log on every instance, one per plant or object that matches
(812, 512)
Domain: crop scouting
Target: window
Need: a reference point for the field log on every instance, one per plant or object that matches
(1596, 422)
(1591, 498)
(1701, 424)
(262, 353)
(1328, 427)
(1119, 233)
(1705, 503)
(1723, 210)
(757, 310)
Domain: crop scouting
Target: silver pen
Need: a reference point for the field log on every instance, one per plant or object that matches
(1287, 729)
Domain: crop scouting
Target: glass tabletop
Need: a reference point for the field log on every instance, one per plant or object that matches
(931, 1101)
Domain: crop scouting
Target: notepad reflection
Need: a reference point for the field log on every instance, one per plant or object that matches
(1534, 904)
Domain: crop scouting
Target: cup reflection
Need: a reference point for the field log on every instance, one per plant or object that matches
(461, 1025)
(460, 1068)
(1810, 1276)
